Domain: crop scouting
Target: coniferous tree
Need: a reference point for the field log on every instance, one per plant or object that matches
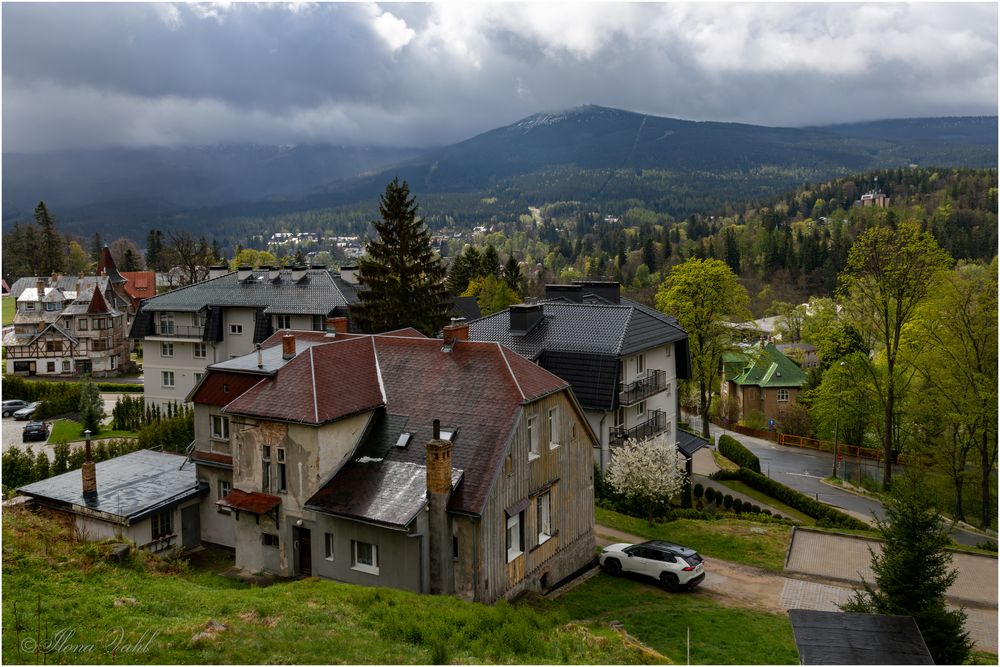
(405, 279)
(52, 250)
(154, 249)
(96, 245)
(512, 274)
(489, 264)
(912, 574)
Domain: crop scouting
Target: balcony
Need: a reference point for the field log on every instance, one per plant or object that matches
(655, 423)
(633, 392)
(178, 331)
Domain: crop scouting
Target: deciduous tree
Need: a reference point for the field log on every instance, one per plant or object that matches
(705, 297)
(649, 471)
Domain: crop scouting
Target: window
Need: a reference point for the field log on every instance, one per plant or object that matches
(220, 427)
(668, 389)
(364, 557)
(544, 517)
(29, 306)
(269, 540)
(454, 546)
(65, 365)
(99, 325)
(81, 324)
(50, 306)
(197, 377)
(668, 350)
(319, 323)
(166, 349)
(167, 378)
(225, 487)
(265, 469)
(283, 321)
(53, 346)
(281, 470)
(668, 429)
(640, 409)
(114, 361)
(163, 524)
(515, 536)
(50, 367)
(532, 438)
(236, 329)
(328, 546)
(783, 395)
(553, 428)
(166, 323)
(620, 418)
(200, 350)
(640, 364)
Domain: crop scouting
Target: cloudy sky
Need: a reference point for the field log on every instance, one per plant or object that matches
(96, 75)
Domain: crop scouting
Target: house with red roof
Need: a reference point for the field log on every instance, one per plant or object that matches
(140, 285)
(437, 466)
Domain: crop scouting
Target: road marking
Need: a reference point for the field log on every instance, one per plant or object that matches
(803, 474)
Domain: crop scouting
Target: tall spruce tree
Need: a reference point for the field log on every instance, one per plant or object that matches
(404, 277)
(96, 245)
(912, 574)
(52, 250)
(154, 250)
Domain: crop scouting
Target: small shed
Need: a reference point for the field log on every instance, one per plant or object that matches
(838, 638)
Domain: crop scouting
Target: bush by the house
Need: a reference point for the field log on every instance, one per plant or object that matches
(120, 387)
(733, 450)
(718, 499)
(738, 505)
(710, 494)
(727, 501)
(699, 491)
(824, 514)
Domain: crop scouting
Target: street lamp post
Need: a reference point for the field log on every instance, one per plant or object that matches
(836, 424)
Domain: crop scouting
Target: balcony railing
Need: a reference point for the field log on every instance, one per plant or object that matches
(654, 382)
(655, 423)
(178, 331)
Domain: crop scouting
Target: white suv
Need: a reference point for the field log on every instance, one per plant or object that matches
(672, 565)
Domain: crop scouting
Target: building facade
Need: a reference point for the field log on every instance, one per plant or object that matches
(760, 380)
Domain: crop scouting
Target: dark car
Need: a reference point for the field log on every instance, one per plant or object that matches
(35, 431)
(10, 407)
(26, 412)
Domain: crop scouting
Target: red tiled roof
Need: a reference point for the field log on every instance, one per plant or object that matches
(98, 306)
(220, 388)
(212, 457)
(141, 284)
(254, 502)
(405, 332)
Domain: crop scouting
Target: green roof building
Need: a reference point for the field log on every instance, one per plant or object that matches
(763, 380)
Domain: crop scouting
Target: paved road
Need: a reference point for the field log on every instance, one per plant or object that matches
(804, 470)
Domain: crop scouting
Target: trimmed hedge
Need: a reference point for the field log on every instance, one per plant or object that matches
(120, 387)
(824, 514)
(733, 450)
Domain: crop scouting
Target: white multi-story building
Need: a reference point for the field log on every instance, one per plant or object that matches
(224, 317)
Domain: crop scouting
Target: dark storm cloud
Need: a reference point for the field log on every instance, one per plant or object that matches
(80, 75)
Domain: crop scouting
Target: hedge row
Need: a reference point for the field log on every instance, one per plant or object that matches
(708, 514)
(824, 514)
(733, 450)
(120, 387)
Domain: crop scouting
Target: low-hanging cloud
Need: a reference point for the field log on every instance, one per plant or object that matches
(86, 75)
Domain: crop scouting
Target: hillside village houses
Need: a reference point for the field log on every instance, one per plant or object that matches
(623, 359)
(225, 316)
(70, 325)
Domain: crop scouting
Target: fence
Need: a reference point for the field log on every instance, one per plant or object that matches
(827, 445)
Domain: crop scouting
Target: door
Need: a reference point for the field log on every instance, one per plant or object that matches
(303, 547)
(191, 526)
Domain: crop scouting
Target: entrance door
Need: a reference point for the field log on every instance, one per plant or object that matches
(191, 526)
(303, 544)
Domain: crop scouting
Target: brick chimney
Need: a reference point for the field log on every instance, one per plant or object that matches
(40, 286)
(438, 495)
(287, 346)
(89, 471)
(457, 331)
(336, 325)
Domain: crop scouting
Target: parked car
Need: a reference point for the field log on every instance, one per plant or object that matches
(35, 431)
(10, 407)
(671, 564)
(27, 411)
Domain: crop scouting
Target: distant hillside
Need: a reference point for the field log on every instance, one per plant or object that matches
(591, 154)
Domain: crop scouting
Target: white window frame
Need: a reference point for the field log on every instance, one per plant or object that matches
(197, 377)
(640, 364)
(533, 438)
(283, 321)
(371, 567)
(67, 366)
(668, 390)
(166, 324)
(544, 509)
(165, 376)
(236, 329)
(554, 428)
(515, 547)
(114, 361)
(668, 350)
(199, 347)
(640, 409)
(167, 350)
(220, 427)
(328, 553)
(782, 395)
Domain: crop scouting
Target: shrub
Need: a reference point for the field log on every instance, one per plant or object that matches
(755, 509)
(733, 450)
(727, 501)
(755, 419)
(710, 494)
(699, 490)
(718, 500)
(795, 420)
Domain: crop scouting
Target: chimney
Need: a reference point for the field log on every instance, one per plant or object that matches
(457, 331)
(298, 273)
(217, 271)
(572, 293)
(336, 325)
(40, 286)
(438, 495)
(524, 318)
(260, 357)
(89, 473)
(317, 267)
(349, 274)
(243, 273)
(273, 272)
(287, 346)
(609, 290)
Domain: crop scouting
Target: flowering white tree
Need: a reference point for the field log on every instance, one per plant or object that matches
(647, 470)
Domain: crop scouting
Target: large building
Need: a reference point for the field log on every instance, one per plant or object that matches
(442, 466)
(185, 330)
(760, 380)
(623, 359)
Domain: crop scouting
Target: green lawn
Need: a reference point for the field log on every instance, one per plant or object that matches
(728, 539)
(9, 308)
(67, 430)
(791, 512)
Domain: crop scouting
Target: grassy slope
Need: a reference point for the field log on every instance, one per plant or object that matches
(739, 486)
(9, 308)
(728, 539)
(67, 430)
